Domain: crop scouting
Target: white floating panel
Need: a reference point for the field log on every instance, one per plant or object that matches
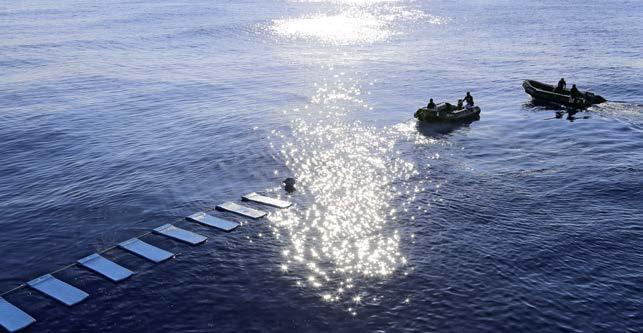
(147, 251)
(241, 210)
(58, 290)
(106, 268)
(264, 200)
(183, 235)
(212, 221)
(12, 318)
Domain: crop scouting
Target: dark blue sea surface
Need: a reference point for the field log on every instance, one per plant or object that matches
(117, 117)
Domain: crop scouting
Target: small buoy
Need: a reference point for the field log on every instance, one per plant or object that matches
(289, 184)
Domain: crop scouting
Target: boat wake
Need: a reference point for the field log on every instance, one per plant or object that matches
(630, 112)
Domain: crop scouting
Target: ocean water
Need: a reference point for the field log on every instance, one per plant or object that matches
(118, 117)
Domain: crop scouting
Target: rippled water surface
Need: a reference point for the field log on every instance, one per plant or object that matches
(117, 118)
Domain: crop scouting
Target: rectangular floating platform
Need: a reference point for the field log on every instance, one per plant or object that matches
(147, 251)
(58, 290)
(183, 235)
(264, 200)
(12, 318)
(241, 210)
(212, 221)
(106, 268)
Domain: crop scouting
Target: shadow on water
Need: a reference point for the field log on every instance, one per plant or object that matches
(439, 130)
(629, 112)
(538, 105)
(560, 111)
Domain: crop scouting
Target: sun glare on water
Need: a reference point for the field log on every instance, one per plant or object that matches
(344, 28)
(353, 22)
(354, 180)
(352, 175)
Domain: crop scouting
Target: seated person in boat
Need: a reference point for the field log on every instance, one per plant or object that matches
(574, 93)
(459, 107)
(469, 99)
(431, 105)
(561, 86)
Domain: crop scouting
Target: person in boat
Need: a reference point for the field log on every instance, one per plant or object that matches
(431, 105)
(459, 107)
(469, 99)
(561, 85)
(574, 93)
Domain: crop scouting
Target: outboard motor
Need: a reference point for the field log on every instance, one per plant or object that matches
(593, 98)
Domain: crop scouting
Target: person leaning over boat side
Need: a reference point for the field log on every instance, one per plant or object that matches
(431, 105)
(469, 99)
(561, 85)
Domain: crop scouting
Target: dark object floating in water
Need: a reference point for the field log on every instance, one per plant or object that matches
(179, 234)
(12, 318)
(264, 200)
(289, 184)
(105, 267)
(447, 112)
(241, 210)
(212, 221)
(147, 251)
(546, 93)
(58, 290)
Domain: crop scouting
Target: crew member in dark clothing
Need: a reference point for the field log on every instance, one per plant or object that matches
(431, 105)
(574, 92)
(561, 85)
(469, 99)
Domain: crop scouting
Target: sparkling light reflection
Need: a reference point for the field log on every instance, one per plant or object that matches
(352, 174)
(343, 28)
(353, 22)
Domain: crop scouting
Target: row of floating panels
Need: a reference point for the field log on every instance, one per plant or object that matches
(13, 318)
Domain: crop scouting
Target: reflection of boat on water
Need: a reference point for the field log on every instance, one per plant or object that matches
(441, 129)
(559, 110)
(546, 93)
(446, 112)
